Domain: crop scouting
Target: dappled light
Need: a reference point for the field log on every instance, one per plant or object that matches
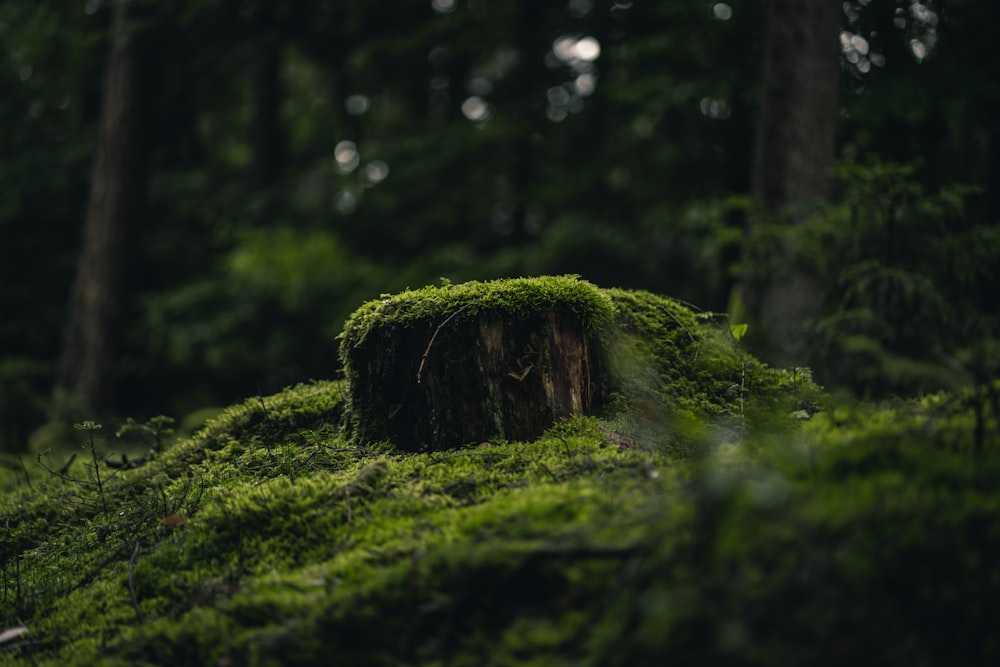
(578, 54)
(860, 46)
(857, 52)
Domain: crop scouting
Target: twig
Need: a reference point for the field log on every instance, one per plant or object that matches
(131, 580)
(267, 420)
(427, 351)
(24, 469)
(65, 469)
(680, 324)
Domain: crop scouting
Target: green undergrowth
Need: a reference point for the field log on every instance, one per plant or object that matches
(674, 371)
(714, 515)
(866, 534)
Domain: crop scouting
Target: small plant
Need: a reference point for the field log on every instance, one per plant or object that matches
(95, 480)
(155, 431)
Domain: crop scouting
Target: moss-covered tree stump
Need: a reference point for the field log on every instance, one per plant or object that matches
(446, 366)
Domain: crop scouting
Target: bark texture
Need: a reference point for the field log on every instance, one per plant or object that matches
(798, 106)
(794, 159)
(95, 300)
(267, 137)
(433, 386)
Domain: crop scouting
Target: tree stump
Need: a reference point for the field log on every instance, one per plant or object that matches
(442, 367)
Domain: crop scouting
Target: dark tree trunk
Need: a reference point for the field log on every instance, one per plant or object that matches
(95, 301)
(267, 137)
(532, 44)
(432, 386)
(794, 159)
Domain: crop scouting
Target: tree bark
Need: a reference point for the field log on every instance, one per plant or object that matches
(435, 386)
(267, 137)
(794, 160)
(87, 372)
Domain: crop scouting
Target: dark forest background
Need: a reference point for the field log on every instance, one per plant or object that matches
(194, 195)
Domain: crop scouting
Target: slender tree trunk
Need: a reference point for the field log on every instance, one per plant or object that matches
(95, 301)
(267, 137)
(794, 160)
(529, 15)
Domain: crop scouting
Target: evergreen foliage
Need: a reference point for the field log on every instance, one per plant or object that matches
(629, 169)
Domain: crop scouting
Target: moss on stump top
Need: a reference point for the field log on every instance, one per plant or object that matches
(513, 298)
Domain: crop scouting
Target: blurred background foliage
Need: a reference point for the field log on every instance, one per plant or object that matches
(302, 157)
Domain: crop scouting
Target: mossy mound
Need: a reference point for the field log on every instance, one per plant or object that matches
(743, 536)
(445, 366)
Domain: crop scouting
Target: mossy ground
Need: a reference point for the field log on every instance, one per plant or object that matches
(718, 530)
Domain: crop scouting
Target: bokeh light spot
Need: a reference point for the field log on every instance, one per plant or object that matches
(356, 104)
(580, 7)
(716, 109)
(475, 108)
(443, 6)
(575, 51)
(376, 171)
(900, 19)
(346, 201)
(346, 155)
(558, 96)
(588, 49)
(860, 44)
(585, 85)
(556, 113)
(722, 11)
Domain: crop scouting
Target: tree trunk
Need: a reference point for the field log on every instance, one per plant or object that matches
(443, 367)
(794, 160)
(95, 301)
(266, 133)
(434, 388)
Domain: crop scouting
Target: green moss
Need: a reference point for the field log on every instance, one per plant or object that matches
(857, 530)
(680, 378)
(515, 298)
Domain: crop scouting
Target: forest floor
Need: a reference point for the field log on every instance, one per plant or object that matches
(752, 532)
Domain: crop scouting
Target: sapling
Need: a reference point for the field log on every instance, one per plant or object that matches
(90, 427)
(96, 480)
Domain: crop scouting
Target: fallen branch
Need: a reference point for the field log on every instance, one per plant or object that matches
(131, 580)
(427, 351)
